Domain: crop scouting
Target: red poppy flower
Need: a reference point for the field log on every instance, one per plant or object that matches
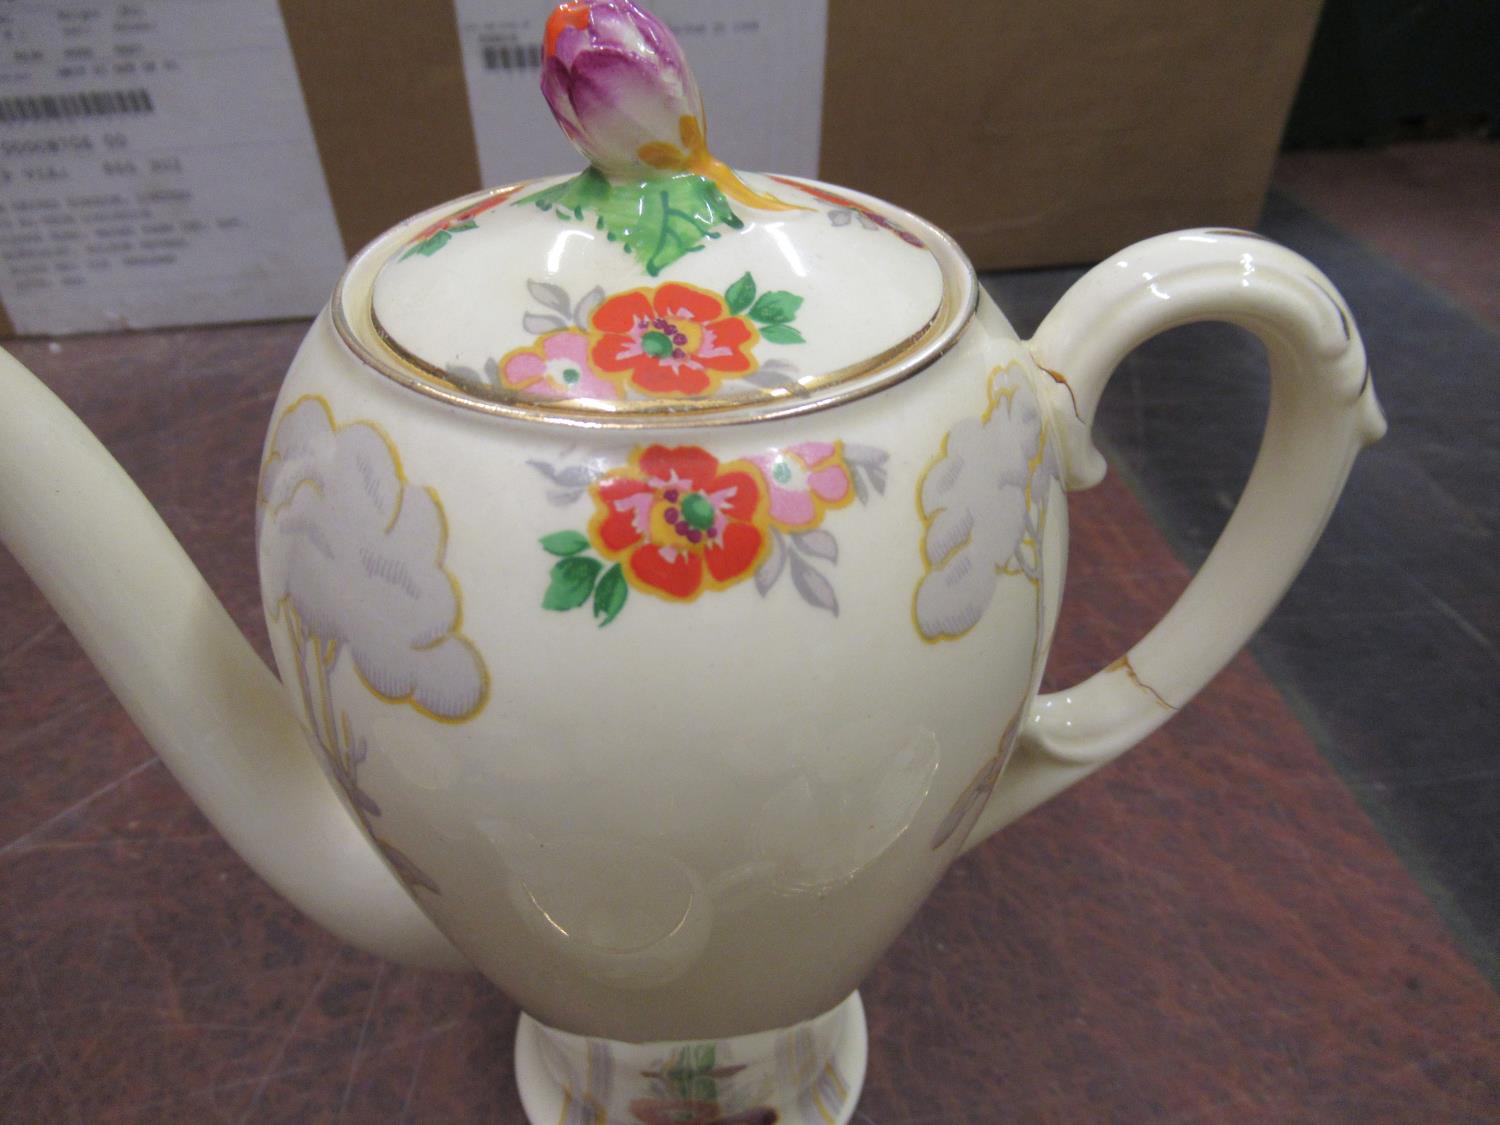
(681, 521)
(676, 339)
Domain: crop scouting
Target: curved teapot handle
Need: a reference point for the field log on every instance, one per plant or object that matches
(1323, 411)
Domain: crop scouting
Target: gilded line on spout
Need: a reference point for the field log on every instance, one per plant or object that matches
(1123, 664)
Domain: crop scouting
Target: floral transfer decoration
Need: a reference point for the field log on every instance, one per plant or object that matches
(689, 1088)
(699, 1083)
(341, 530)
(439, 234)
(983, 503)
(669, 341)
(846, 211)
(619, 85)
(789, 1075)
(676, 522)
(676, 339)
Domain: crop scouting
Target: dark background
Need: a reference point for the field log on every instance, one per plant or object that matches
(1383, 70)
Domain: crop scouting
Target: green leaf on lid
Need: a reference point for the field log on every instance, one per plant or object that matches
(657, 221)
(781, 334)
(740, 295)
(776, 307)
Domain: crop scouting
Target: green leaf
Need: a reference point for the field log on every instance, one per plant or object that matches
(572, 582)
(781, 334)
(609, 596)
(565, 542)
(703, 1089)
(776, 307)
(658, 220)
(661, 220)
(703, 1056)
(740, 294)
(429, 245)
(467, 224)
(582, 193)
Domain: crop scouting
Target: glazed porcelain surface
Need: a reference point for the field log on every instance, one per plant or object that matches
(660, 563)
(645, 719)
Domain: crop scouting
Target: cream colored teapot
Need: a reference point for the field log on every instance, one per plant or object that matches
(660, 564)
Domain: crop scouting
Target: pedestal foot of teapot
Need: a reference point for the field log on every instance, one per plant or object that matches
(809, 1074)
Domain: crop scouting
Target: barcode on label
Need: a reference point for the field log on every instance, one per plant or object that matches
(64, 107)
(512, 56)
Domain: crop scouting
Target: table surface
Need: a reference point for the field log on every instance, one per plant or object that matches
(1212, 929)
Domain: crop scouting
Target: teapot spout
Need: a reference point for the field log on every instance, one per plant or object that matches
(187, 677)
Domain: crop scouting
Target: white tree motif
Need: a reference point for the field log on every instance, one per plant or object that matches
(983, 502)
(356, 555)
(352, 560)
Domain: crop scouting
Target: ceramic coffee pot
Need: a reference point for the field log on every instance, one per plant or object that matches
(660, 564)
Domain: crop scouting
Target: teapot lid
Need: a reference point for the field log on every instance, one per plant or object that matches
(658, 284)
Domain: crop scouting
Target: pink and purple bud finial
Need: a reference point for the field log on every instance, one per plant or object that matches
(619, 84)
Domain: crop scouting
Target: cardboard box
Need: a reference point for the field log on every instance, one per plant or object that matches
(1042, 132)
(1035, 131)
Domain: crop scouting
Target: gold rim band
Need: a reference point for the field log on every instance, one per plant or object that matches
(362, 333)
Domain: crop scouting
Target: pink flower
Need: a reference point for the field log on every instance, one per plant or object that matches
(804, 481)
(556, 366)
(617, 82)
(620, 87)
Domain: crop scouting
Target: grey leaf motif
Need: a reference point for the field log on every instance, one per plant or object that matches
(586, 306)
(562, 497)
(840, 218)
(771, 378)
(492, 370)
(466, 375)
(865, 455)
(770, 570)
(815, 589)
(866, 460)
(544, 468)
(553, 296)
(539, 324)
(569, 476)
(817, 543)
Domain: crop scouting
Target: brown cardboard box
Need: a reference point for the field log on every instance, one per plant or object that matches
(1052, 131)
(1034, 131)
(384, 87)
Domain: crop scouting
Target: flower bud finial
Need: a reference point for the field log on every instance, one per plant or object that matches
(619, 84)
